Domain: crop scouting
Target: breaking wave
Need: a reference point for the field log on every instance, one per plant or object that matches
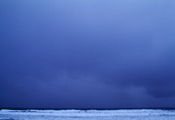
(28, 114)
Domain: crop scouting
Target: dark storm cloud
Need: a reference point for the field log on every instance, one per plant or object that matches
(87, 53)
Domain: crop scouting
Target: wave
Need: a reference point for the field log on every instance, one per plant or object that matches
(74, 112)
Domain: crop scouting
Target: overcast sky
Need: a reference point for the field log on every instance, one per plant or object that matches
(87, 53)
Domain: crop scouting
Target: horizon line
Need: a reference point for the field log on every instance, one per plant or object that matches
(25, 108)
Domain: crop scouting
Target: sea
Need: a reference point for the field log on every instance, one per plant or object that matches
(88, 114)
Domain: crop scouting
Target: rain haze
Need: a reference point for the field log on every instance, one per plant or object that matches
(87, 53)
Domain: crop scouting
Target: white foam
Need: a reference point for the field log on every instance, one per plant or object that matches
(86, 114)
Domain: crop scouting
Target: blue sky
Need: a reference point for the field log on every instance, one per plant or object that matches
(87, 53)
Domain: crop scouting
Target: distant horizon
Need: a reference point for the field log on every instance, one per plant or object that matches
(161, 108)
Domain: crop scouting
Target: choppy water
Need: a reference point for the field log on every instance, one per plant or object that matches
(122, 114)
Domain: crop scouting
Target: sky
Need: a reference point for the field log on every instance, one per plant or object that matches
(87, 53)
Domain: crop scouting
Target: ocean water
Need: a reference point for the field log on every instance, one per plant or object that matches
(121, 114)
